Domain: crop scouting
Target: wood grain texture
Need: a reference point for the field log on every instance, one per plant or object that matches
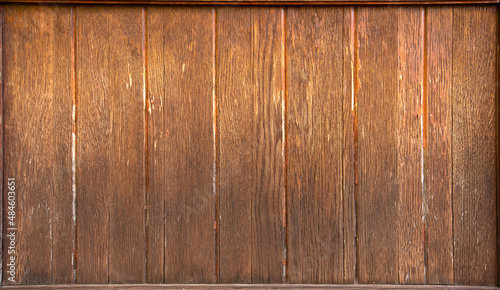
(181, 200)
(377, 106)
(475, 119)
(110, 145)
(250, 148)
(38, 100)
(349, 146)
(260, 2)
(314, 144)
(437, 145)
(409, 145)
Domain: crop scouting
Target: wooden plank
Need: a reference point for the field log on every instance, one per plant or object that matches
(437, 145)
(377, 187)
(475, 121)
(255, 286)
(314, 144)
(38, 124)
(261, 2)
(181, 145)
(110, 145)
(250, 148)
(155, 220)
(349, 147)
(410, 145)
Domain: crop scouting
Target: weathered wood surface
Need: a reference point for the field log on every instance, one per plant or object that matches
(252, 144)
(110, 167)
(377, 158)
(437, 145)
(410, 96)
(314, 145)
(250, 175)
(475, 144)
(38, 128)
(181, 197)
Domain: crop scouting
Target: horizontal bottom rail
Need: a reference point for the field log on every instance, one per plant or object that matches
(260, 2)
(245, 286)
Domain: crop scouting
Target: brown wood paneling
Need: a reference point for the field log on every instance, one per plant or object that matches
(349, 147)
(409, 145)
(181, 200)
(37, 107)
(110, 145)
(377, 214)
(314, 144)
(250, 145)
(437, 145)
(475, 118)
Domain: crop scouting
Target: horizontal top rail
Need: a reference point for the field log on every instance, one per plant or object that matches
(259, 2)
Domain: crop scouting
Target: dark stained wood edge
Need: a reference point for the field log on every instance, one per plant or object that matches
(258, 2)
(250, 286)
(1, 143)
(498, 143)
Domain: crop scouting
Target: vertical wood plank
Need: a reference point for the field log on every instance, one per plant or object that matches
(475, 121)
(37, 47)
(314, 140)
(110, 145)
(235, 131)
(409, 137)
(155, 268)
(349, 147)
(181, 145)
(250, 149)
(437, 146)
(377, 213)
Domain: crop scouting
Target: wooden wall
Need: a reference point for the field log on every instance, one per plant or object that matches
(168, 144)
